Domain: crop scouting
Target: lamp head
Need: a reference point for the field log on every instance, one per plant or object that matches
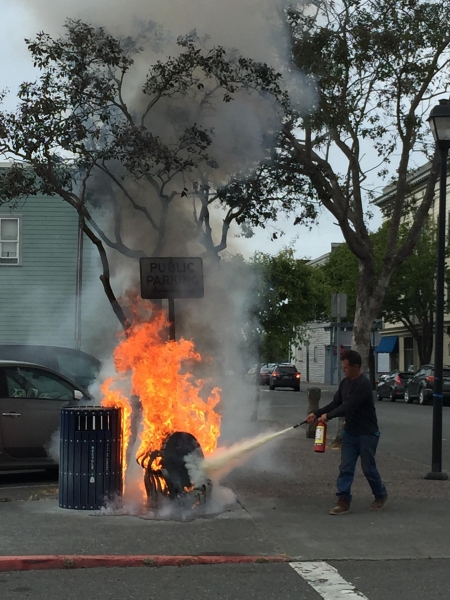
(439, 121)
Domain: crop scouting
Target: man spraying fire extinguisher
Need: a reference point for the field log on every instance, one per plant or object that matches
(354, 401)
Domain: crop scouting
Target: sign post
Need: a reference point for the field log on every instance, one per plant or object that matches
(171, 277)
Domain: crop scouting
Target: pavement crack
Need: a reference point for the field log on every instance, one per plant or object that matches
(274, 544)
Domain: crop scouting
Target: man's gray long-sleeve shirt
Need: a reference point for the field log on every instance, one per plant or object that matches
(354, 401)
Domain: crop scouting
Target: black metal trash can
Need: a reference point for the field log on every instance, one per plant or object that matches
(90, 462)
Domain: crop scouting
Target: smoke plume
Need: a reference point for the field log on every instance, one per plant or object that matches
(256, 31)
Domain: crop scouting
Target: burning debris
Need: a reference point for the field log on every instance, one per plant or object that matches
(166, 474)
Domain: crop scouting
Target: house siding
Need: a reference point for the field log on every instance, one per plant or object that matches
(37, 298)
(312, 358)
(99, 324)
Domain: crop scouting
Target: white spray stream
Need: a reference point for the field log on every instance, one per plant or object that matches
(223, 460)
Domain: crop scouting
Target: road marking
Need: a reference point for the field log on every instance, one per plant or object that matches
(326, 581)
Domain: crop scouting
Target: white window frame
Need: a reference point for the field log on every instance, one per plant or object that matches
(17, 218)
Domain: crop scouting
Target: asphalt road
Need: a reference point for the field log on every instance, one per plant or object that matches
(405, 428)
(405, 580)
(370, 568)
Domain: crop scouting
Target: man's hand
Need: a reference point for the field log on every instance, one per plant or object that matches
(311, 418)
(323, 418)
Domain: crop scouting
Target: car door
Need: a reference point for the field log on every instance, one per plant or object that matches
(30, 410)
(413, 386)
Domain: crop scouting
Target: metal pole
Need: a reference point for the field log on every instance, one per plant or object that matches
(307, 362)
(436, 453)
(338, 336)
(171, 319)
(79, 287)
(331, 353)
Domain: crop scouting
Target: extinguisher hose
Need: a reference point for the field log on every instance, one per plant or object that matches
(298, 424)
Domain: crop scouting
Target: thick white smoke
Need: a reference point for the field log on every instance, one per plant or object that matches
(256, 30)
(253, 27)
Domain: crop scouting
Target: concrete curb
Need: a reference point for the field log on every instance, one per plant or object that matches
(77, 561)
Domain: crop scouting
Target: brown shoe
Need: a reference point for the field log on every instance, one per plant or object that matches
(378, 503)
(341, 507)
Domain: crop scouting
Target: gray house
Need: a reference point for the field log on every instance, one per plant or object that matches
(316, 359)
(50, 292)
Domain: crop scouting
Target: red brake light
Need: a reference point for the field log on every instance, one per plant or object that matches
(298, 375)
(430, 378)
(275, 374)
(398, 380)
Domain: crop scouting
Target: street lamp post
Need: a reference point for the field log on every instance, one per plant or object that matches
(440, 126)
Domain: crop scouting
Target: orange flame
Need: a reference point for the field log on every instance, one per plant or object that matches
(171, 398)
(114, 398)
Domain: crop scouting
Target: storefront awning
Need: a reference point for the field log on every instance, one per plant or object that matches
(388, 345)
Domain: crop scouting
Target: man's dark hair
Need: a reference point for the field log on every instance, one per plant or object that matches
(353, 357)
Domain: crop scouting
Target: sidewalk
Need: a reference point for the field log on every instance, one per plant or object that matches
(284, 493)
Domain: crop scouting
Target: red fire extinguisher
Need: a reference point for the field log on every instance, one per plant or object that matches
(321, 437)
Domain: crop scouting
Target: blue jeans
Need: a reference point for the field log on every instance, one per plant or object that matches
(364, 446)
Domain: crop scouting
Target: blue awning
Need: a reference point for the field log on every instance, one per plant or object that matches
(388, 345)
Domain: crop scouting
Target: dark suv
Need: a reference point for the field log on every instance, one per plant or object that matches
(421, 385)
(285, 375)
(80, 367)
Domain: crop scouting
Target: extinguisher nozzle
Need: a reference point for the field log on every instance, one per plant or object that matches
(298, 424)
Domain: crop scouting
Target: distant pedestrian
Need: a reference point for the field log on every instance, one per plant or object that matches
(360, 436)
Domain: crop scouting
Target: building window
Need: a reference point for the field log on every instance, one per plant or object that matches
(408, 352)
(10, 241)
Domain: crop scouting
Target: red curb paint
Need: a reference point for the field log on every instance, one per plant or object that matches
(77, 561)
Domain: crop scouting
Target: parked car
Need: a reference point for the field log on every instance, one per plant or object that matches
(80, 367)
(421, 385)
(285, 375)
(31, 397)
(264, 374)
(392, 386)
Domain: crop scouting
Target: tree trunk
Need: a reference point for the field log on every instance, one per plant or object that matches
(336, 444)
(105, 277)
(372, 373)
(368, 306)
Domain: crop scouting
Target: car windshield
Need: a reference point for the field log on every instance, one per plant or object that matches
(78, 367)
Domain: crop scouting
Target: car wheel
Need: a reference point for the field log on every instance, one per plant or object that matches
(392, 396)
(422, 397)
(379, 397)
(271, 387)
(297, 389)
(408, 398)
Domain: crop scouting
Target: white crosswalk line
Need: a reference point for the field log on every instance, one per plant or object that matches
(326, 581)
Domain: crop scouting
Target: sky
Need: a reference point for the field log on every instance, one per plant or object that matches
(24, 18)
